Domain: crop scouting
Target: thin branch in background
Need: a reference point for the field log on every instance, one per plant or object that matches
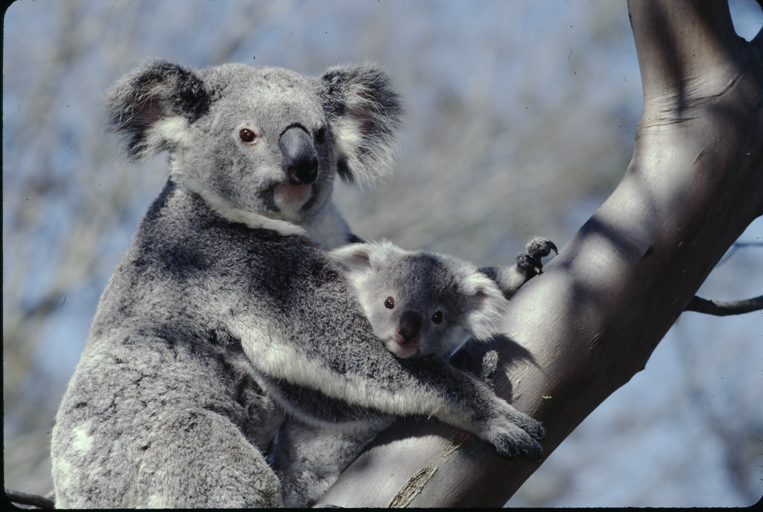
(34, 500)
(718, 308)
(734, 248)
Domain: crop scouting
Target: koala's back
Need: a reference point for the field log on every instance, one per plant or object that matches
(159, 377)
(140, 446)
(165, 369)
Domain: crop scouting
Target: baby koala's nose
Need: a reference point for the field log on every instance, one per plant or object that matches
(409, 327)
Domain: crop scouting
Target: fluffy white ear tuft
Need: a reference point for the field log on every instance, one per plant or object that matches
(486, 306)
(353, 258)
(360, 258)
(365, 114)
(152, 107)
(170, 132)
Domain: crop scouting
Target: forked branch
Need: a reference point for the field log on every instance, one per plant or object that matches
(590, 322)
(718, 308)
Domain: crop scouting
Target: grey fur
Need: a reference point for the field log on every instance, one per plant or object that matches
(225, 312)
(528, 265)
(420, 305)
(424, 285)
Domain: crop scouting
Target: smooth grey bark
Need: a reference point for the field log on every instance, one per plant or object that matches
(590, 322)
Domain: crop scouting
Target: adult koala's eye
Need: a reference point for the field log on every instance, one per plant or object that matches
(389, 303)
(437, 318)
(247, 135)
(320, 135)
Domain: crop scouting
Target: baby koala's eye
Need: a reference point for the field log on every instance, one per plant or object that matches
(389, 303)
(437, 318)
(320, 135)
(247, 135)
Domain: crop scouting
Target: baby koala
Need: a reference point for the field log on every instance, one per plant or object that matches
(419, 304)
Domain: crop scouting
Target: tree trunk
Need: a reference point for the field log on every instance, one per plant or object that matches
(590, 322)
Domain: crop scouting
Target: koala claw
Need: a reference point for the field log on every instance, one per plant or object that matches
(534, 429)
(515, 433)
(530, 260)
(514, 442)
(532, 451)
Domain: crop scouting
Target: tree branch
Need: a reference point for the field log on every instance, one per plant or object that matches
(590, 322)
(718, 308)
(34, 500)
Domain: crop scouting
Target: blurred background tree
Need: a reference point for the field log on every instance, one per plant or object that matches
(521, 119)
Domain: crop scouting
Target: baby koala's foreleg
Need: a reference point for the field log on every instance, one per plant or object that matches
(528, 265)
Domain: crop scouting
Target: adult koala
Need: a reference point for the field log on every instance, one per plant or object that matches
(225, 312)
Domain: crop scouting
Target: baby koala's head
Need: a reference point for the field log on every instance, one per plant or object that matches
(421, 303)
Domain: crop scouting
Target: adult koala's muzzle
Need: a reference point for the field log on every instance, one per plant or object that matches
(299, 158)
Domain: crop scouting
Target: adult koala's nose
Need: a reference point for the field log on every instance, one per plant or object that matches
(299, 159)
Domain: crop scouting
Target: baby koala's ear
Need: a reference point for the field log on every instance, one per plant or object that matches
(353, 258)
(486, 306)
(153, 106)
(362, 258)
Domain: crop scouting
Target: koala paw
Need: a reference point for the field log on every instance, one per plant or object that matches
(532, 427)
(489, 366)
(509, 441)
(515, 433)
(529, 261)
(485, 371)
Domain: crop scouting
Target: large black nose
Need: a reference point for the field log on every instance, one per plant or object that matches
(300, 160)
(410, 326)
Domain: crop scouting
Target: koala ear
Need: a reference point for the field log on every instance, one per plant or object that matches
(153, 107)
(353, 258)
(485, 306)
(365, 114)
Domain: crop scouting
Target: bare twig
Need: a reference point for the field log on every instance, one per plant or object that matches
(718, 308)
(737, 245)
(23, 498)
